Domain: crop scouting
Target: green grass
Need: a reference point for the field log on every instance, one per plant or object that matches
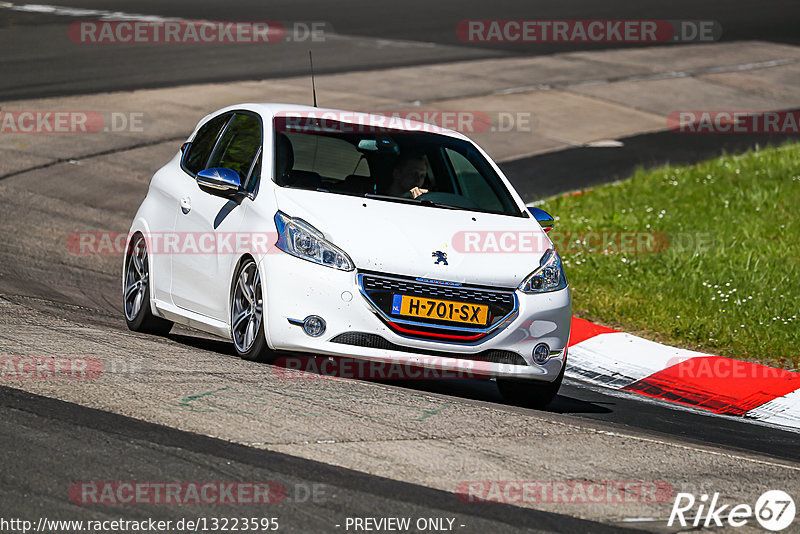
(728, 283)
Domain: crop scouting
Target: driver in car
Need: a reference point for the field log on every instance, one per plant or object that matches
(408, 176)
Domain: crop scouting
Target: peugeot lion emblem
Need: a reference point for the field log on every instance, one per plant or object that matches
(441, 257)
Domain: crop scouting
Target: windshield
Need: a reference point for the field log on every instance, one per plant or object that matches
(418, 167)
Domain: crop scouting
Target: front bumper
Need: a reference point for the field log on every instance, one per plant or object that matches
(295, 289)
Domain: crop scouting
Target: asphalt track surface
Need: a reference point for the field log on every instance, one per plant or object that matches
(51, 443)
(582, 167)
(319, 497)
(40, 60)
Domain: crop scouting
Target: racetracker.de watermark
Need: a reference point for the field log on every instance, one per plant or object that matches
(631, 241)
(720, 368)
(414, 120)
(101, 243)
(50, 368)
(588, 31)
(196, 32)
(734, 122)
(564, 491)
(467, 121)
(422, 368)
(70, 122)
(571, 242)
(175, 493)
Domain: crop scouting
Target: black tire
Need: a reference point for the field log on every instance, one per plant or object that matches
(249, 348)
(136, 301)
(530, 393)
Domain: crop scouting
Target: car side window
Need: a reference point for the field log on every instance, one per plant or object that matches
(238, 146)
(203, 143)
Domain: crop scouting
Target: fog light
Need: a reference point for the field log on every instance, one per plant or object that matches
(314, 326)
(541, 353)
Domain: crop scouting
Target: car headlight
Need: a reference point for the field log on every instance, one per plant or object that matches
(298, 238)
(548, 277)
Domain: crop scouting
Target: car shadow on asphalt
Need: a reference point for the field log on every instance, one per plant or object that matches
(213, 345)
(475, 389)
(486, 391)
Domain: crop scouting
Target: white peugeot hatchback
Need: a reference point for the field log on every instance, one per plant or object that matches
(293, 228)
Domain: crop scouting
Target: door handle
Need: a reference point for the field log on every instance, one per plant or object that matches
(186, 205)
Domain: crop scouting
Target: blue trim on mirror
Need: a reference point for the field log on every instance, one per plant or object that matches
(545, 219)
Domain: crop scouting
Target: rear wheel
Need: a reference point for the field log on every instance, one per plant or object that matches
(136, 295)
(530, 393)
(247, 305)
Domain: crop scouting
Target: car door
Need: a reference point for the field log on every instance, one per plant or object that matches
(166, 190)
(201, 267)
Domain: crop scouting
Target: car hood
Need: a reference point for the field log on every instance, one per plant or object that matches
(405, 239)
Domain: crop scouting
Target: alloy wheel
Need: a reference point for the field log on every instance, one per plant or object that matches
(136, 279)
(246, 307)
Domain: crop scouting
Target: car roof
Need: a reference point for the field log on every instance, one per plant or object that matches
(270, 110)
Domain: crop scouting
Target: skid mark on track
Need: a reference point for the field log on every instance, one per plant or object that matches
(136, 145)
(221, 400)
(317, 402)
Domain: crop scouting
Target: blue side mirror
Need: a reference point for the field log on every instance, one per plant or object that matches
(545, 219)
(219, 180)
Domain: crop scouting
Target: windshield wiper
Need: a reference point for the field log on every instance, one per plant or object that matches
(418, 201)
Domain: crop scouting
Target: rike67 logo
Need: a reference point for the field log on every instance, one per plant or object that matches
(774, 510)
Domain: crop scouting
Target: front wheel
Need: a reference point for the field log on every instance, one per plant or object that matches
(530, 393)
(136, 295)
(247, 305)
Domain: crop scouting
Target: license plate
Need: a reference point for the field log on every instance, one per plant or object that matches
(444, 310)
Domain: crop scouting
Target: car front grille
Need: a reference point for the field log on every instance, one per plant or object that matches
(380, 290)
(439, 291)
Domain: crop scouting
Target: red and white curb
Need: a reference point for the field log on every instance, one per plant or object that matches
(613, 359)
